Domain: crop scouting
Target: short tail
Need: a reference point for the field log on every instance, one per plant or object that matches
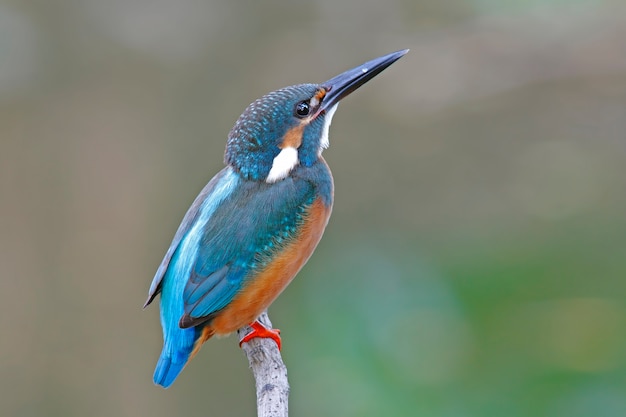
(169, 367)
(173, 360)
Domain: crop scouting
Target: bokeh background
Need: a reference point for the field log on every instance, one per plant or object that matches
(475, 263)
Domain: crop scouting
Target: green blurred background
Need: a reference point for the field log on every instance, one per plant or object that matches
(475, 261)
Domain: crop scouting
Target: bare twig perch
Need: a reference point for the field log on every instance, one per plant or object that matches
(270, 373)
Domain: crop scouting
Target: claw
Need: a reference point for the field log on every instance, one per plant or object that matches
(259, 330)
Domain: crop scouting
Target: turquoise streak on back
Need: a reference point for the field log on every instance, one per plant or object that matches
(179, 343)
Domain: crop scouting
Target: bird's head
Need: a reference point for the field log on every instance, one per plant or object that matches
(289, 127)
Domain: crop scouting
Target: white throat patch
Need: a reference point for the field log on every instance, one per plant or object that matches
(324, 142)
(282, 165)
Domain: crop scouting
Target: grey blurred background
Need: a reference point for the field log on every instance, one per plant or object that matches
(475, 261)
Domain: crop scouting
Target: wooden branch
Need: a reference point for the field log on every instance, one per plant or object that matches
(270, 373)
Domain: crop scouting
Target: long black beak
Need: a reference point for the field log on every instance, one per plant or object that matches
(345, 83)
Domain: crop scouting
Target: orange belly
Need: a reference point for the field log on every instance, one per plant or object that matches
(263, 289)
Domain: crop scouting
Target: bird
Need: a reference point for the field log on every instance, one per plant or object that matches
(256, 223)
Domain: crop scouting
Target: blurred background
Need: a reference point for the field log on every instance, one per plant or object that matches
(475, 261)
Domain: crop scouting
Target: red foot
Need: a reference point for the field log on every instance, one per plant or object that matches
(258, 330)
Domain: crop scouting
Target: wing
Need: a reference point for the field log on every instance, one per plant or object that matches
(189, 220)
(240, 238)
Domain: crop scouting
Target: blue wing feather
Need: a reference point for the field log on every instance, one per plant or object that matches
(198, 285)
(209, 294)
(213, 300)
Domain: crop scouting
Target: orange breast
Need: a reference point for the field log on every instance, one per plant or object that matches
(263, 289)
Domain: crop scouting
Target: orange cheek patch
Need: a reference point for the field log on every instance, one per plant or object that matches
(293, 137)
(320, 95)
(317, 98)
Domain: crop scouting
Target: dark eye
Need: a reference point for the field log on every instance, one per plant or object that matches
(302, 109)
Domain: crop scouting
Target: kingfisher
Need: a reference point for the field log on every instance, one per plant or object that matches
(256, 223)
